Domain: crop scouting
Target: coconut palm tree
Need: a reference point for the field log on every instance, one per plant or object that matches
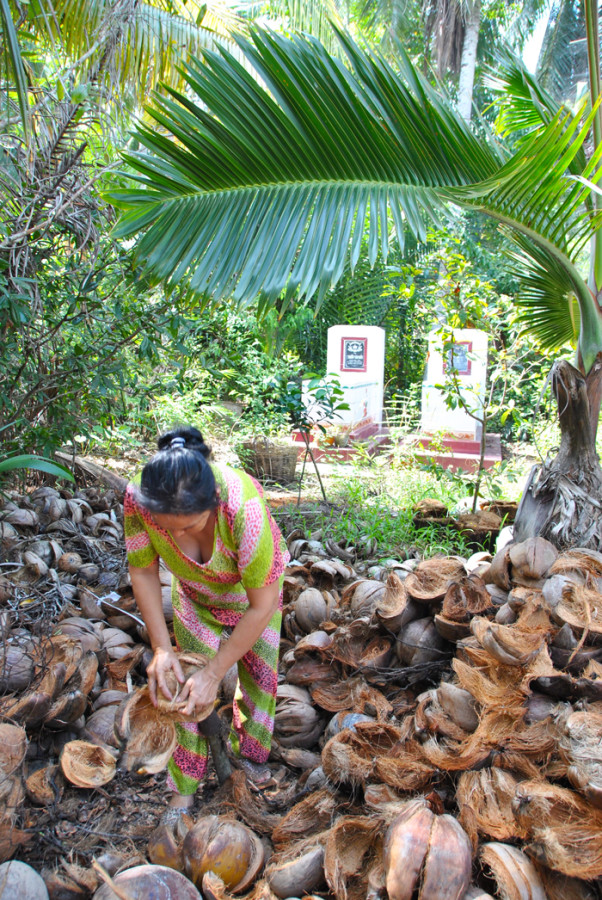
(270, 196)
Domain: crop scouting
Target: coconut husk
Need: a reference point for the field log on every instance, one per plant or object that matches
(509, 646)
(118, 670)
(353, 845)
(512, 872)
(561, 887)
(499, 570)
(29, 709)
(297, 869)
(531, 559)
(431, 718)
(44, 787)
(362, 597)
(297, 723)
(100, 727)
(225, 846)
(430, 579)
(405, 769)
(67, 708)
(581, 608)
(13, 741)
(585, 564)
(11, 839)
(250, 806)
(484, 800)
(464, 598)
(580, 746)
(459, 705)
(87, 765)
(148, 733)
(393, 604)
(380, 796)
(449, 629)
(311, 815)
(419, 642)
(353, 695)
(308, 671)
(350, 756)
(479, 527)
(573, 848)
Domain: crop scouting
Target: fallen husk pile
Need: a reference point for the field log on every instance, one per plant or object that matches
(438, 723)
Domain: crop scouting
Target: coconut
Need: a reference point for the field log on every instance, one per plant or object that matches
(430, 579)
(70, 562)
(226, 847)
(512, 872)
(296, 872)
(13, 741)
(148, 733)
(426, 856)
(87, 765)
(16, 664)
(18, 881)
(44, 786)
(311, 609)
(420, 642)
(147, 882)
(297, 723)
(363, 597)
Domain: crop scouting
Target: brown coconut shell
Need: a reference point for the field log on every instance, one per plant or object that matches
(362, 597)
(226, 847)
(13, 741)
(87, 765)
(426, 856)
(419, 642)
(464, 598)
(148, 881)
(296, 871)
(430, 579)
(44, 787)
(297, 723)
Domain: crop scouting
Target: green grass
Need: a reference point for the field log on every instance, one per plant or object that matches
(376, 502)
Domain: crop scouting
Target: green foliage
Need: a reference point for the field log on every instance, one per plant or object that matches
(77, 340)
(39, 463)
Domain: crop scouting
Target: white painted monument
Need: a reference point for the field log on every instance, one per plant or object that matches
(356, 353)
(468, 356)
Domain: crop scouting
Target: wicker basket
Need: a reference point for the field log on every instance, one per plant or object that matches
(269, 460)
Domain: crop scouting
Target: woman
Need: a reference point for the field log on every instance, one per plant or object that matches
(210, 526)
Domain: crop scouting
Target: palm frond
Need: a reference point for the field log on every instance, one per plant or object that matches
(548, 306)
(12, 51)
(268, 193)
(532, 191)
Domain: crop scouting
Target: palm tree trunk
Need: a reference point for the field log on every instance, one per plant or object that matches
(469, 60)
(563, 498)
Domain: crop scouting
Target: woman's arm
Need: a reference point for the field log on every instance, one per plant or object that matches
(146, 585)
(201, 689)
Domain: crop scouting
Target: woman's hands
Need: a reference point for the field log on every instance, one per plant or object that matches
(200, 691)
(163, 662)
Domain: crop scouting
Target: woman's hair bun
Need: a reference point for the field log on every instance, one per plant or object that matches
(184, 438)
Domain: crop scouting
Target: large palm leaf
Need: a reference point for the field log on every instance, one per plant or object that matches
(272, 192)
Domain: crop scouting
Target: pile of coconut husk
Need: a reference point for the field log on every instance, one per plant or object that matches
(438, 722)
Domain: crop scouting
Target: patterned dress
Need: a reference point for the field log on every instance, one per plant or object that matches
(248, 552)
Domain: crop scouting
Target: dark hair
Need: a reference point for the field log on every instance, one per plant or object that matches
(178, 480)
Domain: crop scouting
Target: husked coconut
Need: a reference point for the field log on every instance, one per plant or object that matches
(426, 856)
(226, 847)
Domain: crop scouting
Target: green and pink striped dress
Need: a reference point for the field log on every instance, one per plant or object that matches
(248, 552)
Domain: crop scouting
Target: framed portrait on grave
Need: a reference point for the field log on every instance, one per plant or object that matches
(458, 358)
(354, 354)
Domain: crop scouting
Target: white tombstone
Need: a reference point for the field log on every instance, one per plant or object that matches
(356, 353)
(469, 359)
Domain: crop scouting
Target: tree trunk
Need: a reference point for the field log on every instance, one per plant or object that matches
(469, 60)
(562, 501)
